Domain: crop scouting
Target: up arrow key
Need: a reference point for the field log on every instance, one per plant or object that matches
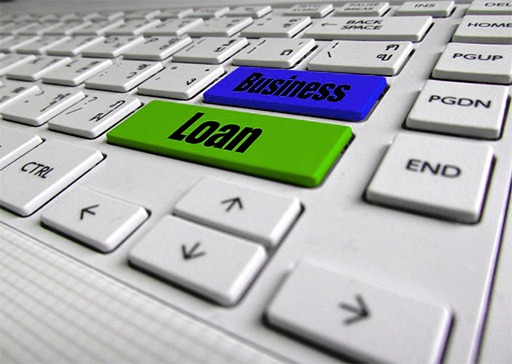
(232, 202)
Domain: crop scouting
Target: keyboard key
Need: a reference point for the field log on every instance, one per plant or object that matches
(98, 27)
(11, 92)
(12, 61)
(74, 46)
(436, 9)
(276, 27)
(211, 50)
(252, 214)
(252, 11)
(311, 10)
(174, 27)
(276, 53)
(100, 221)
(433, 175)
(157, 48)
(337, 96)
(475, 63)
(181, 81)
(215, 265)
(245, 142)
(67, 28)
(353, 317)
(40, 175)
(485, 7)
(464, 109)
(362, 9)
(209, 12)
(94, 114)
(37, 68)
(174, 13)
(76, 72)
(221, 27)
(484, 29)
(39, 107)
(13, 43)
(112, 46)
(123, 75)
(13, 144)
(38, 28)
(378, 58)
(133, 27)
(141, 14)
(411, 28)
(40, 45)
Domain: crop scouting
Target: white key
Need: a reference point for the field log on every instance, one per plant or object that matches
(353, 317)
(39, 46)
(11, 44)
(180, 81)
(496, 29)
(38, 176)
(465, 109)
(380, 58)
(67, 28)
(133, 27)
(272, 52)
(37, 28)
(276, 27)
(174, 13)
(37, 68)
(436, 9)
(311, 10)
(411, 28)
(157, 48)
(362, 9)
(211, 50)
(174, 27)
(12, 61)
(442, 177)
(485, 7)
(75, 45)
(123, 75)
(13, 144)
(76, 72)
(209, 12)
(98, 27)
(11, 92)
(94, 114)
(95, 219)
(112, 46)
(39, 107)
(252, 214)
(215, 265)
(107, 15)
(14, 27)
(141, 14)
(221, 27)
(252, 11)
(475, 63)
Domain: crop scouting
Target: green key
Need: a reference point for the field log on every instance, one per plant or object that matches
(284, 149)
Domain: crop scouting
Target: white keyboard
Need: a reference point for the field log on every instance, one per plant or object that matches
(323, 181)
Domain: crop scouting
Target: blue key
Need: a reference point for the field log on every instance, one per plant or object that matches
(330, 95)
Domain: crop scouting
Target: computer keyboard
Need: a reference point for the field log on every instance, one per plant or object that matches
(323, 181)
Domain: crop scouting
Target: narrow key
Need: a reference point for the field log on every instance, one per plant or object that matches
(411, 28)
(107, 15)
(311, 10)
(14, 27)
(74, 46)
(211, 50)
(67, 28)
(212, 264)
(40, 45)
(94, 114)
(494, 29)
(174, 13)
(180, 81)
(38, 28)
(276, 27)
(484, 7)
(141, 14)
(123, 75)
(38, 176)
(209, 12)
(95, 219)
(174, 27)
(98, 27)
(436, 9)
(252, 11)
(271, 52)
(12, 91)
(37, 68)
(221, 27)
(13, 43)
(378, 58)
(76, 72)
(362, 9)
(112, 46)
(12, 61)
(157, 48)
(13, 144)
(39, 107)
(133, 27)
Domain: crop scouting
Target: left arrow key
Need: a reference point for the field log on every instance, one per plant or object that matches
(114, 220)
